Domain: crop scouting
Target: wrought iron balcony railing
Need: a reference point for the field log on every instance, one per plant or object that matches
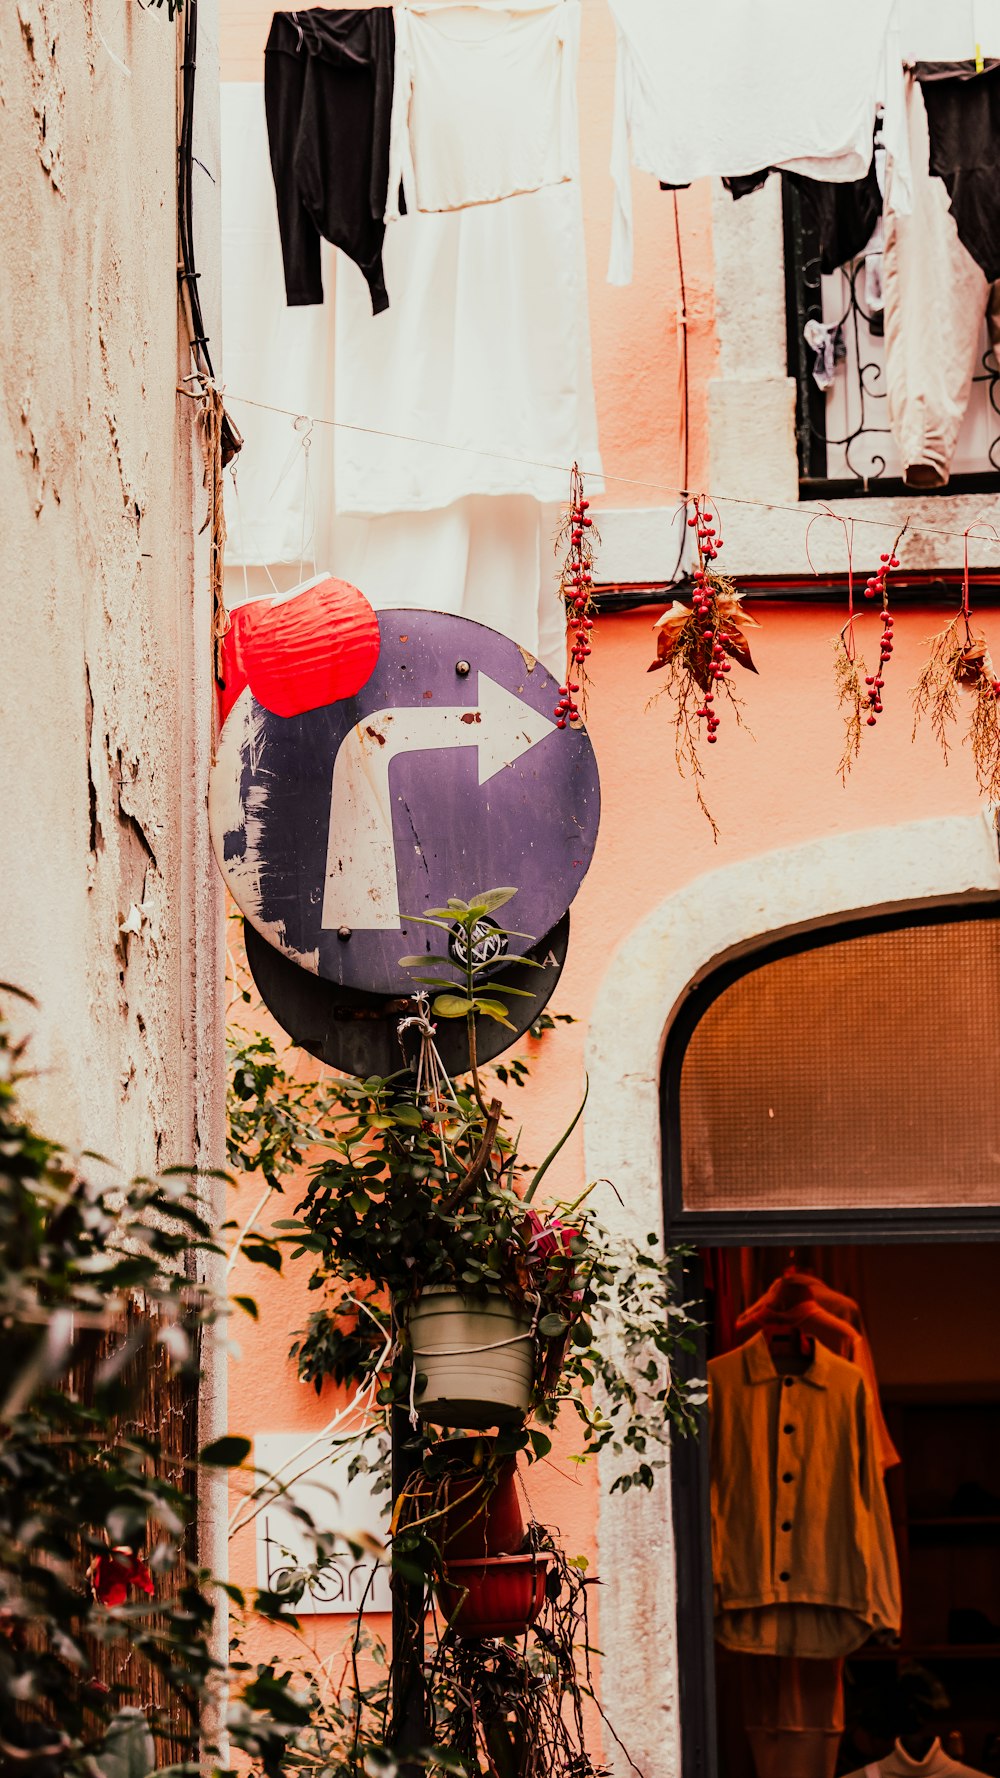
(844, 443)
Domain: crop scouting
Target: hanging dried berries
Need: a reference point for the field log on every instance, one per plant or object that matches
(877, 586)
(959, 664)
(577, 534)
(697, 645)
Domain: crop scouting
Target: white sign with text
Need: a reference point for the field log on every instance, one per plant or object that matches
(317, 1481)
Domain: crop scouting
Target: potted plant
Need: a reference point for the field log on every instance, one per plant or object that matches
(463, 1502)
(493, 1595)
(423, 1219)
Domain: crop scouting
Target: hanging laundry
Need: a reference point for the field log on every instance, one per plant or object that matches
(490, 559)
(328, 82)
(694, 95)
(484, 106)
(797, 1301)
(843, 213)
(478, 380)
(935, 299)
(963, 118)
(825, 340)
(276, 493)
(803, 1555)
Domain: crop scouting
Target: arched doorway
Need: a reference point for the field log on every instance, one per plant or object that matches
(831, 1109)
(707, 925)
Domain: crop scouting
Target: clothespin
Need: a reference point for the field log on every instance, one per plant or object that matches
(979, 58)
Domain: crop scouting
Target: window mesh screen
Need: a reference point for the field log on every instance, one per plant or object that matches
(861, 1074)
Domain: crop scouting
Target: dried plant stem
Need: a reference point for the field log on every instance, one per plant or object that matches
(849, 674)
(984, 738)
(960, 662)
(935, 695)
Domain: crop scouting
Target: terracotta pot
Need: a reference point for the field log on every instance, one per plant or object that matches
(469, 1512)
(495, 1595)
(475, 1358)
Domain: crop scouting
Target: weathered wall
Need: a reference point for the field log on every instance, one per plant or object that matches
(105, 691)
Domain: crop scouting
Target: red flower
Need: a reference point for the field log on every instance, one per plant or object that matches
(114, 1571)
(546, 1238)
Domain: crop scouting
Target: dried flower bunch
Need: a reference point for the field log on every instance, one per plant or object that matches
(577, 535)
(858, 691)
(959, 666)
(877, 586)
(696, 644)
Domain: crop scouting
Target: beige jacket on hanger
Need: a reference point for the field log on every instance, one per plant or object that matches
(803, 1554)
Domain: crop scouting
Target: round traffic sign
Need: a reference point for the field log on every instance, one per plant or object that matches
(360, 1033)
(445, 775)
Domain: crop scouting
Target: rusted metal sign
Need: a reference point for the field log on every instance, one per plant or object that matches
(446, 774)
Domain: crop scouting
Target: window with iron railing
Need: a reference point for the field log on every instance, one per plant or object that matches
(844, 443)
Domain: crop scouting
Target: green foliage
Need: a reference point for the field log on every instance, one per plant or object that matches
(272, 1117)
(425, 1188)
(466, 924)
(105, 1268)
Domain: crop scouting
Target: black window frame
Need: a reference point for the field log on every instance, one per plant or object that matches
(804, 302)
(728, 1228)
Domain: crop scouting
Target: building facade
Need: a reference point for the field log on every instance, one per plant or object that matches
(701, 385)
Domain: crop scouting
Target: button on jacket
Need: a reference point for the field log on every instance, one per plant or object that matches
(803, 1556)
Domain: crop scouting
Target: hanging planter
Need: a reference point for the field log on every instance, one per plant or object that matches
(473, 1358)
(494, 1596)
(471, 1507)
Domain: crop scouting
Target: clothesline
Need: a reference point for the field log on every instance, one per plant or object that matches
(677, 495)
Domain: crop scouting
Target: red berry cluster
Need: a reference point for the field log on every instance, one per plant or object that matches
(709, 545)
(877, 587)
(577, 585)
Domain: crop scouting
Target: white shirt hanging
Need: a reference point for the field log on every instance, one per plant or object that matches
(483, 104)
(733, 86)
(481, 362)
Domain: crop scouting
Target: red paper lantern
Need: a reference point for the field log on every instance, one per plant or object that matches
(298, 653)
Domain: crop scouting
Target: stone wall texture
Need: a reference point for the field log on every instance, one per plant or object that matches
(108, 912)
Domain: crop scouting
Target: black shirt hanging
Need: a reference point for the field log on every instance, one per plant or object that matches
(963, 121)
(328, 79)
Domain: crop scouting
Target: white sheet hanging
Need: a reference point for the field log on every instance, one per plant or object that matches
(732, 86)
(488, 559)
(483, 103)
(270, 353)
(483, 357)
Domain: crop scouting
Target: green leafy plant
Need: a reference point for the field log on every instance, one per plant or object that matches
(422, 1185)
(101, 1597)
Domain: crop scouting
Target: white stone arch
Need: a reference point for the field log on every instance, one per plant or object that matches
(724, 913)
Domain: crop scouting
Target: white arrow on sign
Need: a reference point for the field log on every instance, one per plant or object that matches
(361, 889)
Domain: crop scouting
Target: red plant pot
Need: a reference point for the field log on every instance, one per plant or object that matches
(480, 1519)
(494, 1596)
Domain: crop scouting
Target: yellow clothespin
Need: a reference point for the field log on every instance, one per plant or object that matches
(979, 58)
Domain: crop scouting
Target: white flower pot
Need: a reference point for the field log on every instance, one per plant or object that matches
(475, 1359)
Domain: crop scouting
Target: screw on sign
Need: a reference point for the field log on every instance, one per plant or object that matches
(445, 771)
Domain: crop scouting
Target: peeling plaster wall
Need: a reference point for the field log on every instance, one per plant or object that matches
(105, 688)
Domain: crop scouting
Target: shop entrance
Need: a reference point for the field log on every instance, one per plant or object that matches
(832, 1143)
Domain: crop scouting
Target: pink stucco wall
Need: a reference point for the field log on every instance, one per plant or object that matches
(773, 784)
